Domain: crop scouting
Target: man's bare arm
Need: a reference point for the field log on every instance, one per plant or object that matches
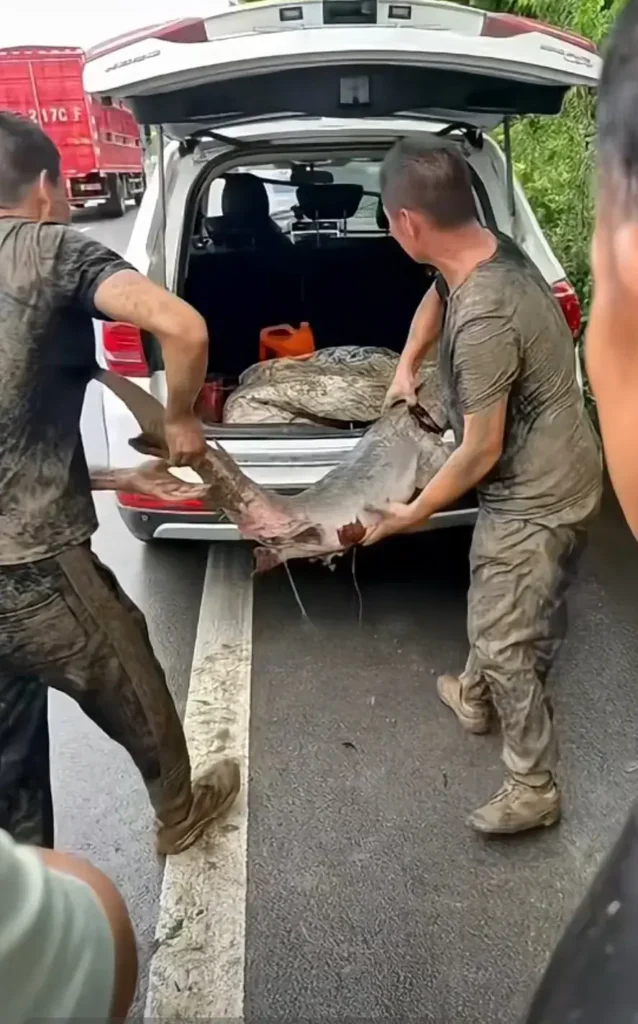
(183, 338)
(118, 919)
(480, 450)
(424, 332)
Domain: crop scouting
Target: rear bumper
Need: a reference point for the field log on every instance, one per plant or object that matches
(153, 525)
(286, 464)
(95, 188)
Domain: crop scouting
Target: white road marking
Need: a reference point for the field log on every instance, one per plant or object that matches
(197, 970)
(83, 229)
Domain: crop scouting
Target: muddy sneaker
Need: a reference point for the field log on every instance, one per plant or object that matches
(214, 793)
(474, 714)
(517, 807)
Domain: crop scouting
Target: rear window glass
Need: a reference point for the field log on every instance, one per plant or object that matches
(282, 196)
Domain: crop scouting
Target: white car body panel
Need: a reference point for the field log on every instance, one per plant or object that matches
(252, 40)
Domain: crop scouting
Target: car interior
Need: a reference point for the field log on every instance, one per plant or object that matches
(325, 256)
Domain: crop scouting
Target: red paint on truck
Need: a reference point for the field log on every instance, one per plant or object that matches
(99, 143)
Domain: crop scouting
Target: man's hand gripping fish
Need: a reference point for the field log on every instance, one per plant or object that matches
(396, 457)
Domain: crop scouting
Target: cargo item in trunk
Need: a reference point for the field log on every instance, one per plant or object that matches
(336, 386)
(395, 457)
(284, 340)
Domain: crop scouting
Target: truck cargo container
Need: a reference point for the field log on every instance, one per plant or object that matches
(99, 140)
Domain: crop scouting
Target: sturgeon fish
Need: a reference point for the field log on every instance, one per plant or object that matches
(396, 457)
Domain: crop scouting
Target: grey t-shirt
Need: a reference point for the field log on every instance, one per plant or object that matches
(505, 334)
(49, 274)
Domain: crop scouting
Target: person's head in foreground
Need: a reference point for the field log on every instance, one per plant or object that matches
(31, 184)
(612, 336)
(427, 197)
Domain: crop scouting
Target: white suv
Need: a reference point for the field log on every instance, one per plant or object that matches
(295, 104)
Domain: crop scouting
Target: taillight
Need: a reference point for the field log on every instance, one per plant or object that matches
(187, 30)
(505, 26)
(146, 503)
(123, 350)
(570, 305)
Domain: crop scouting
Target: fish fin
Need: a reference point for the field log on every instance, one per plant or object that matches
(147, 410)
(265, 559)
(147, 444)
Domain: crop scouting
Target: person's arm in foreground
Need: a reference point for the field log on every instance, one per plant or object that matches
(478, 453)
(67, 948)
(611, 356)
(183, 338)
(423, 334)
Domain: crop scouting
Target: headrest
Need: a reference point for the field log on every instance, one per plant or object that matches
(244, 197)
(329, 202)
(382, 220)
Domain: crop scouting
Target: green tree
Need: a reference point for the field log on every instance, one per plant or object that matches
(553, 157)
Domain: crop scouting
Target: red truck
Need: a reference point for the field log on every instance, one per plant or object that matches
(99, 142)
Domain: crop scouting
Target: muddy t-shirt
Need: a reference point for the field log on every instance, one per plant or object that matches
(504, 334)
(49, 274)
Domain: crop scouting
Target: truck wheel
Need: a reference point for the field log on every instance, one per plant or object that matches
(137, 198)
(115, 206)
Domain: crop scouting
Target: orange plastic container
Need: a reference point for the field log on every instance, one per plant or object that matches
(286, 341)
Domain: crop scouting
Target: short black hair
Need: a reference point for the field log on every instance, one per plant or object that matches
(432, 181)
(25, 152)
(618, 97)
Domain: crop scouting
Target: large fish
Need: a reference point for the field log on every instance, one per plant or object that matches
(396, 456)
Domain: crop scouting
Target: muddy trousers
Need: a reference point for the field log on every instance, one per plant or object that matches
(520, 573)
(65, 623)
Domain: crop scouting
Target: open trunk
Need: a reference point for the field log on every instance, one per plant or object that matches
(292, 242)
(352, 291)
(351, 60)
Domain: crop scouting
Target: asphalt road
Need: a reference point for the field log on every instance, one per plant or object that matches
(365, 894)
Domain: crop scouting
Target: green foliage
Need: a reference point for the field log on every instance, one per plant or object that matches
(553, 157)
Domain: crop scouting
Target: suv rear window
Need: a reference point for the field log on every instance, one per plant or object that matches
(282, 193)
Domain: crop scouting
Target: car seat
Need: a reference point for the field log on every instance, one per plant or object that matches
(245, 222)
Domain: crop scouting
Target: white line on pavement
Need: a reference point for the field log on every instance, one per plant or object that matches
(197, 970)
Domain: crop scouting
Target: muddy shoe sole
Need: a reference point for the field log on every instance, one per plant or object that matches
(214, 793)
(478, 722)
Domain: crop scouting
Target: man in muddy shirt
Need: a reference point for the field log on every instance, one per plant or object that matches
(64, 622)
(524, 441)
